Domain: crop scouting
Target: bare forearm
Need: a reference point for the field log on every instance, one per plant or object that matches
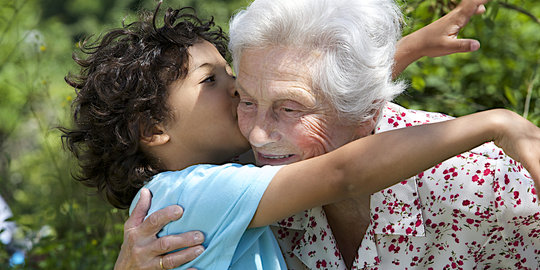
(367, 165)
(406, 53)
(378, 161)
(403, 153)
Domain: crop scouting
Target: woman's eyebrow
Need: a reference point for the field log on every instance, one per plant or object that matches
(299, 97)
(241, 89)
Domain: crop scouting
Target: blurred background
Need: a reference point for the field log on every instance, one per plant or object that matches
(55, 223)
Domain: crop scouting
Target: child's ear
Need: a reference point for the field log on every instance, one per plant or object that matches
(158, 137)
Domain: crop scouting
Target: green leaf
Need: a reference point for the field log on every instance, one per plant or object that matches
(492, 10)
(418, 83)
(509, 94)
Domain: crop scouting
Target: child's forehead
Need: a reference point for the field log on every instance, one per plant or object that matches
(203, 55)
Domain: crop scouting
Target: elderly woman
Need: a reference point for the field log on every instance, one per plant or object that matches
(314, 75)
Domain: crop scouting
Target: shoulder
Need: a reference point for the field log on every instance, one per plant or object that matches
(483, 174)
(208, 177)
(209, 172)
(394, 116)
(231, 174)
(514, 188)
(230, 180)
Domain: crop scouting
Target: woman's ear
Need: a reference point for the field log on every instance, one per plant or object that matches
(368, 127)
(157, 137)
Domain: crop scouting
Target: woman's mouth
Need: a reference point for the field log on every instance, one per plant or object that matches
(271, 159)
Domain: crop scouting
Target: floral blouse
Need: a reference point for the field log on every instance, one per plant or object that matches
(477, 210)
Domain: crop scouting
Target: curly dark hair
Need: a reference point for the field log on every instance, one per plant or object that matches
(121, 95)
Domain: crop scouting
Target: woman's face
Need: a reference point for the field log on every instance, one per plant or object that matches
(280, 113)
(203, 105)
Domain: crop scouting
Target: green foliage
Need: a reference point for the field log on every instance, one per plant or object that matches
(504, 73)
(68, 229)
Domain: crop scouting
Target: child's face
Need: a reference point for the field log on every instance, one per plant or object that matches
(204, 108)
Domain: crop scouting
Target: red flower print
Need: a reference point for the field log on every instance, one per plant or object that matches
(321, 263)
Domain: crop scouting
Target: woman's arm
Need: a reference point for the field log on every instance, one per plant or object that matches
(440, 37)
(375, 162)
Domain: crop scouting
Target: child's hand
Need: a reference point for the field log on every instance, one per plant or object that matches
(440, 37)
(520, 139)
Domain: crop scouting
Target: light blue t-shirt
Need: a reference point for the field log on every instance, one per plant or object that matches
(220, 201)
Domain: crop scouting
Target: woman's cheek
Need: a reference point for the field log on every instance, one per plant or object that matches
(244, 122)
(313, 136)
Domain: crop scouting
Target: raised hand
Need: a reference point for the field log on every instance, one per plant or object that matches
(440, 37)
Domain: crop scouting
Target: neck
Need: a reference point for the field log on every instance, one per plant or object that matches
(348, 221)
(178, 158)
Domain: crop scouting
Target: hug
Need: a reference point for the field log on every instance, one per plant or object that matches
(384, 187)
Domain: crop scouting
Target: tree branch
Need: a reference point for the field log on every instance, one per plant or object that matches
(520, 10)
(529, 91)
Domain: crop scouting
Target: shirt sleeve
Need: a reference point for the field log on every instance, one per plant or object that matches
(220, 201)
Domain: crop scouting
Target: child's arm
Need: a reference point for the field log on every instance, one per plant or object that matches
(375, 162)
(440, 37)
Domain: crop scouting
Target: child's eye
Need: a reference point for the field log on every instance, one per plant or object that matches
(209, 79)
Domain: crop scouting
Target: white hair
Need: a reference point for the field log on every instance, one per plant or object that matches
(356, 40)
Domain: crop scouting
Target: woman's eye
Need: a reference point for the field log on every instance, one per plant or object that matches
(288, 110)
(247, 103)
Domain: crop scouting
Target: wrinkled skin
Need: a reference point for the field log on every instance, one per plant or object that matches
(286, 120)
(281, 114)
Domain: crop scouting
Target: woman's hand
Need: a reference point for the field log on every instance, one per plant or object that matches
(143, 250)
(440, 37)
(520, 139)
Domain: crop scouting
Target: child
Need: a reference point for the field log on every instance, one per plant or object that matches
(157, 106)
